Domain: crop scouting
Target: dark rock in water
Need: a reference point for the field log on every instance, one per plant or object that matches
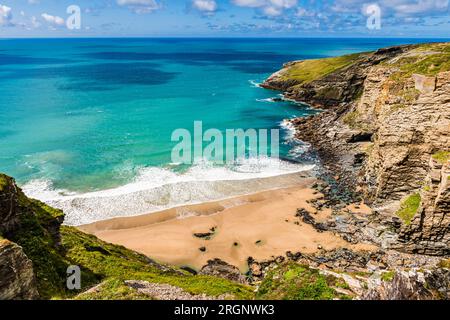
(17, 280)
(221, 269)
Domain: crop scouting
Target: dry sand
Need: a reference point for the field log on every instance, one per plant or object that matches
(261, 226)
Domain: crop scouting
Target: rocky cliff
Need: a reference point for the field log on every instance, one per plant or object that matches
(16, 273)
(385, 133)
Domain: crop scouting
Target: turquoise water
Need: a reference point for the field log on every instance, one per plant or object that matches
(85, 115)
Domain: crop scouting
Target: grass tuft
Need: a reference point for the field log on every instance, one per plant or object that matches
(409, 208)
(388, 276)
(442, 157)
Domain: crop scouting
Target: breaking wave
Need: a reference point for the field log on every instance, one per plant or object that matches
(155, 189)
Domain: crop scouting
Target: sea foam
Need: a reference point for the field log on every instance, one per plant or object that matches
(155, 189)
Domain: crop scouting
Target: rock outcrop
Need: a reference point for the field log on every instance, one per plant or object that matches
(9, 213)
(379, 130)
(221, 269)
(411, 285)
(17, 212)
(429, 231)
(32, 256)
(343, 85)
(17, 280)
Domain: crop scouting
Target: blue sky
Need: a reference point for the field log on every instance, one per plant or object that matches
(222, 18)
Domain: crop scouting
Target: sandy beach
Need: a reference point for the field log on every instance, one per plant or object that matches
(262, 226)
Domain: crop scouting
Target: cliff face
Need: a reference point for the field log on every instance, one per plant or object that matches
(16, 273)
(429, 231)
(387, 117)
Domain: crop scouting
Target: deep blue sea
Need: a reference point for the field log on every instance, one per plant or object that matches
(86, 124)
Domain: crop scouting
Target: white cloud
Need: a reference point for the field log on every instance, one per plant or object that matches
(250, 3)
(268, 7)
(140, 6)
(272, 11)
(35, 22)
(340, 8)
(421, 6)
(302, 12)
(394, 7)
(53, 20)
(207, 6)
(5, 16)
(33, 1)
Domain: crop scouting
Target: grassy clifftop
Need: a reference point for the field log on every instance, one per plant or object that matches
(425, 59)
(52, 248)
(306, 71)
(328, 82)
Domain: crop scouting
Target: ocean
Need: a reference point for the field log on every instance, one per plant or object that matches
(86, 124)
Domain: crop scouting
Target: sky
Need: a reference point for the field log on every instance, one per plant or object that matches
(225, 18)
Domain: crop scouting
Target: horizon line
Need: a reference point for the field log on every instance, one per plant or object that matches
(225, 37)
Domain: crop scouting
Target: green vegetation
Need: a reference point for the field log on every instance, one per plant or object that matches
(113, 262)
(442, 157)
(53, 248)
(3, 182)
(411, 94)
(41, 246)
(295, 282)
(388, 276)
(310, 70)
(409, 208)
(427, 60)
(353, 120)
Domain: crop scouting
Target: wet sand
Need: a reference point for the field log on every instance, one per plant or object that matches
(261, 226)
